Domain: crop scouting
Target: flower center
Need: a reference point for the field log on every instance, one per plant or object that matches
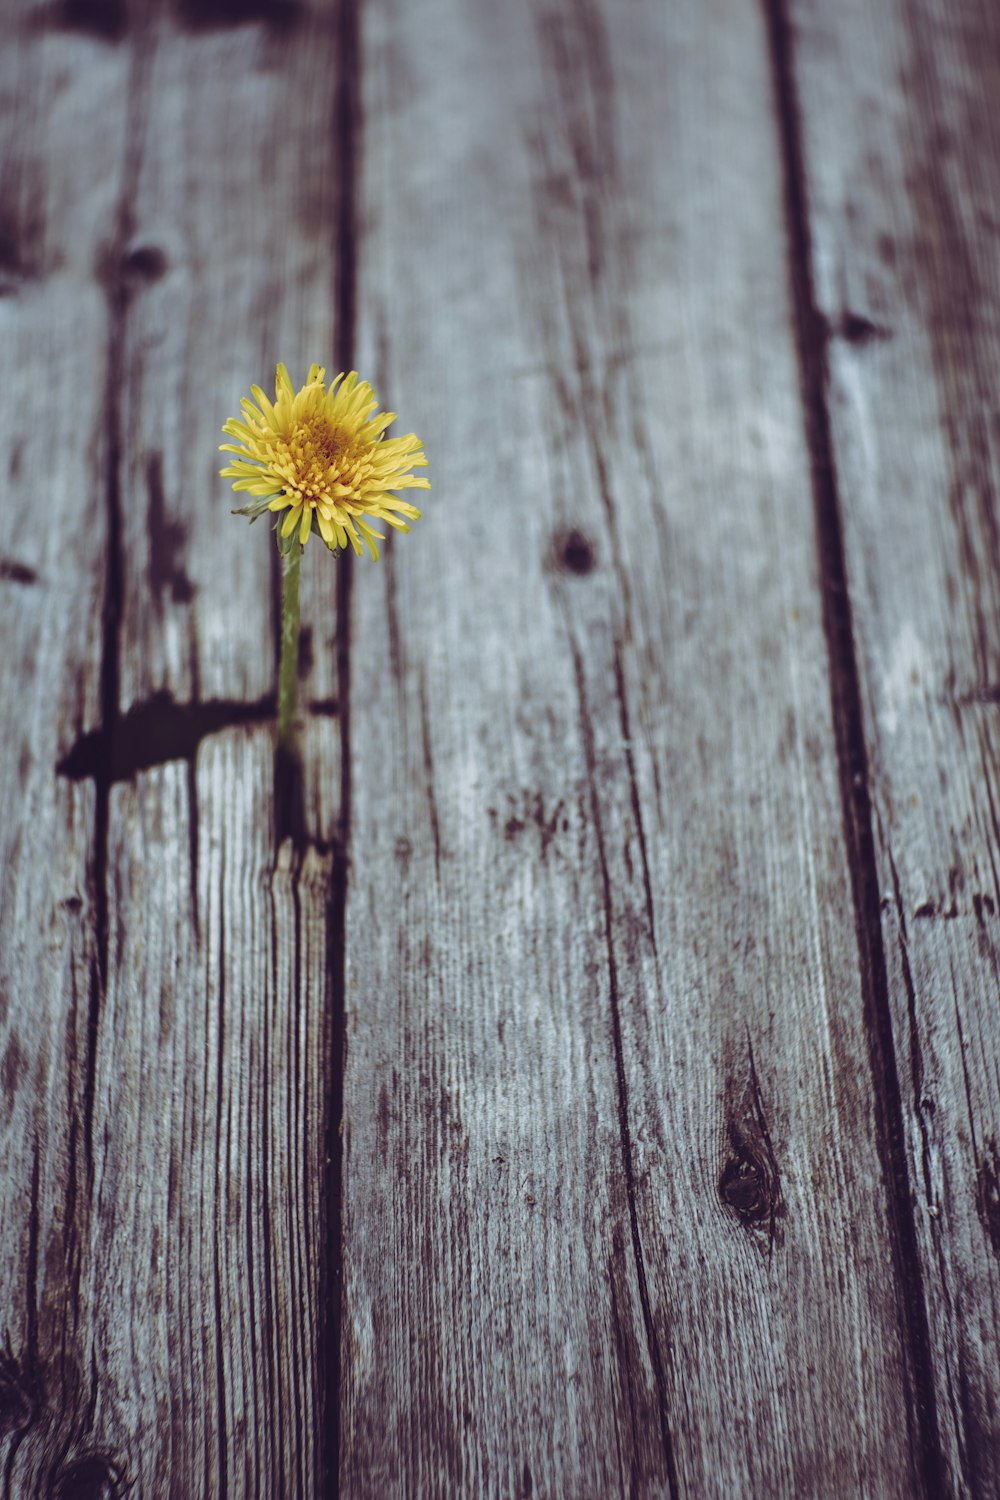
(319, 442)
(311, 458)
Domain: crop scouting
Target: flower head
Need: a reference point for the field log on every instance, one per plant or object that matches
(320, 455)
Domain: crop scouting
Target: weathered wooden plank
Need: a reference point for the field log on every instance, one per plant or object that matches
(232, 224)
(181, 1316)
(210, 1082)
(614, 1216)
(903, 168)
(64, 106)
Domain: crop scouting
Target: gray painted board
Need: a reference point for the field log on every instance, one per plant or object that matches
(607, 1092)
(902, 156)
(165, 1036)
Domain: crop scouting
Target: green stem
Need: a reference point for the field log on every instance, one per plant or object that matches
(288, 676)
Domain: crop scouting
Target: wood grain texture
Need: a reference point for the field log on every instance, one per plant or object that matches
(670, 1158)
(166, 918)
(902, 154)
(615, 1220)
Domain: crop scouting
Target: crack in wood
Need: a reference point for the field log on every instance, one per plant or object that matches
(218, 1236)
(289, 798)
(348, 119)
(212, 15)
(104, 19)
(626, 729)
(327, 708)
(12, 571)
(167, 539)
(625, 1132)
(916, 1055)
(432, 812)
(984, 693)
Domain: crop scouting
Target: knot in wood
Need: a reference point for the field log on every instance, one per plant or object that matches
(20, 1395)
(573, 552)
(90, 1477)
(745, 1187)
(144, 263)
(855, 328)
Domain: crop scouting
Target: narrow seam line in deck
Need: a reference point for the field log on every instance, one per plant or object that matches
(347, 127)
(110, 670)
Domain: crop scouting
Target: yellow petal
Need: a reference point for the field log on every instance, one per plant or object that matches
(370, 537)
(411, 482)
(353, 537)
(270, 415)
(374, 429)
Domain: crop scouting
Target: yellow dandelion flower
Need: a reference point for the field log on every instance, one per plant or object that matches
(321, 455)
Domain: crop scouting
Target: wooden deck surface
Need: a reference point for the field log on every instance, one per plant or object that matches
(582, 1080)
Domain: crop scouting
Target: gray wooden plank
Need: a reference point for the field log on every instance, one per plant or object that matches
(234, 214)
(210, 1080)
(903, 162)
(183, 1319)
(63, 101)
(614, 1217)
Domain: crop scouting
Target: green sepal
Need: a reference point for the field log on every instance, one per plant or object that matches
(255, 507)
(286, 543)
